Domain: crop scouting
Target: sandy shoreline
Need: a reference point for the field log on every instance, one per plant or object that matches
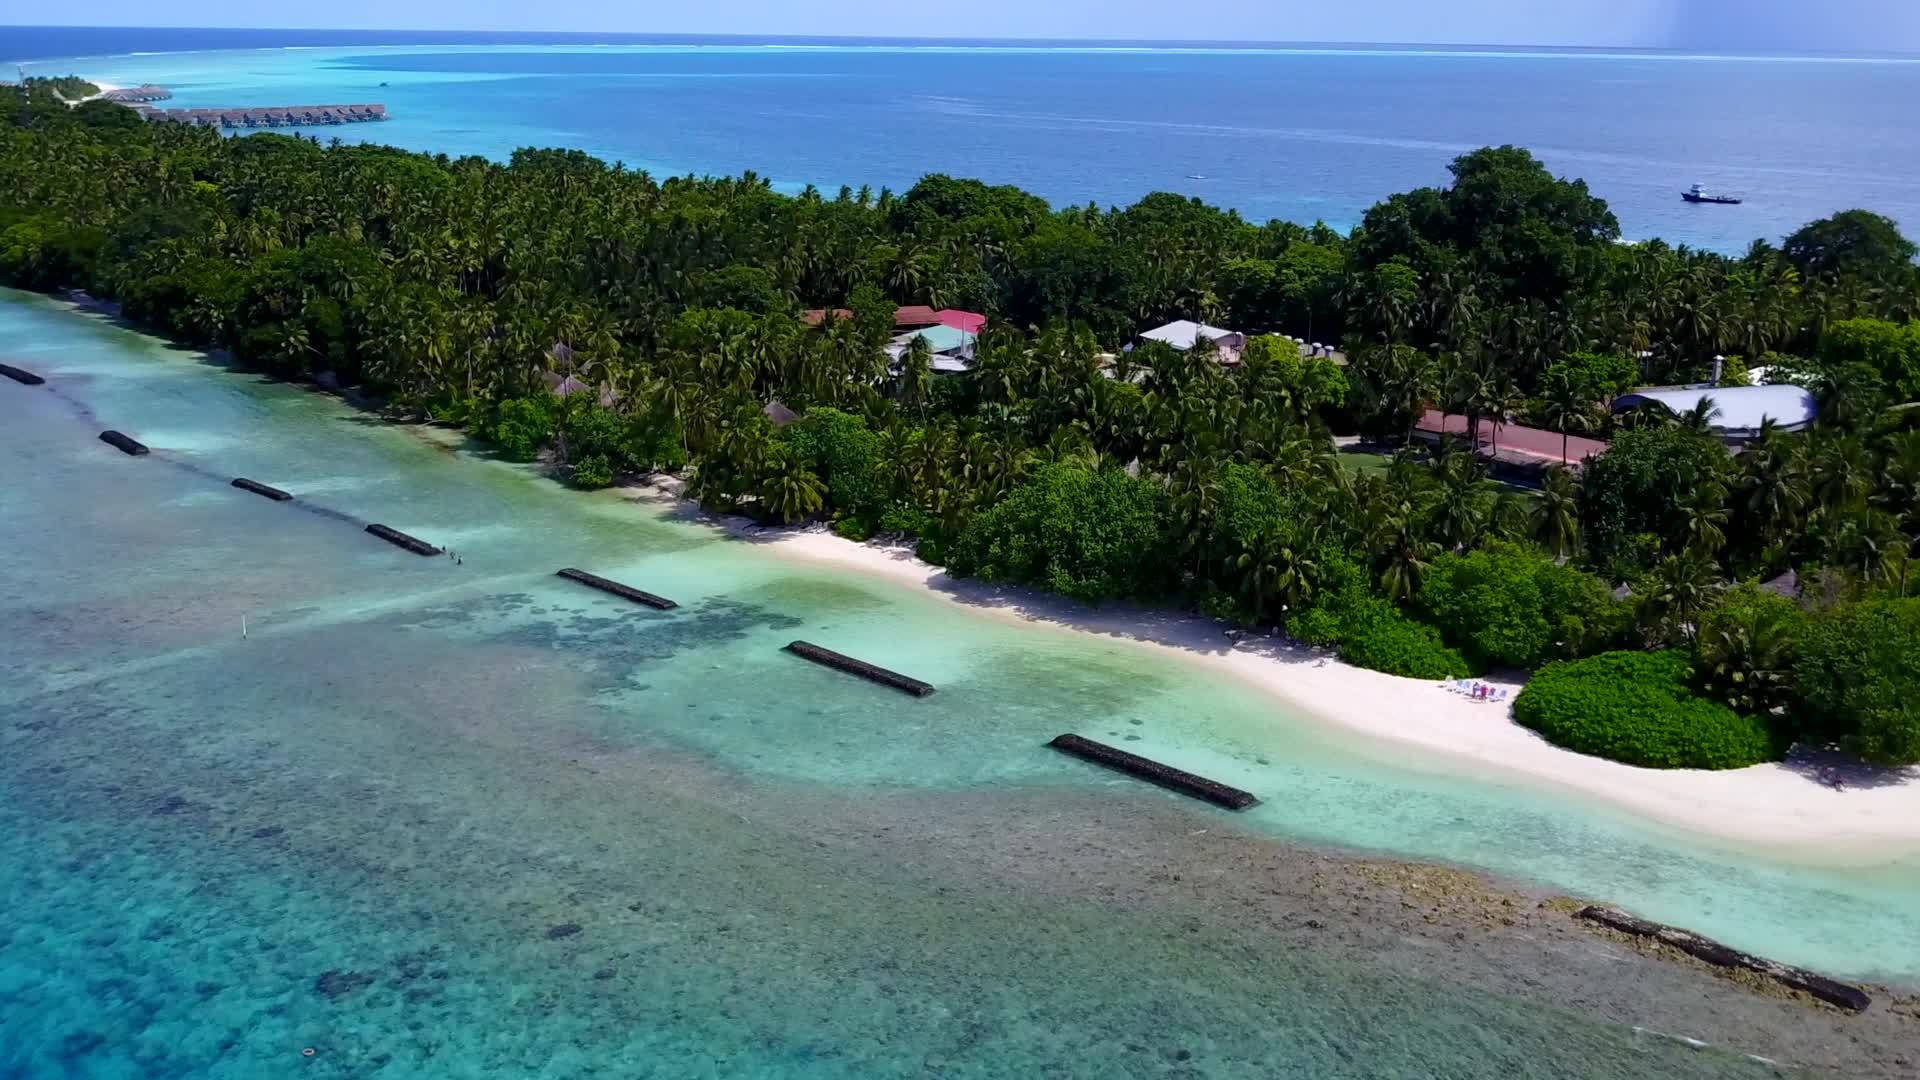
(1792, 806)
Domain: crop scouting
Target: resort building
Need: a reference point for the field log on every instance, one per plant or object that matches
(1738, 411)
(910, 317)
(952, 348)
(1184, 334)
(287, 116)
(138, 94)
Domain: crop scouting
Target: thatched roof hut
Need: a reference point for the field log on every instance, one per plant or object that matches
(779, 414)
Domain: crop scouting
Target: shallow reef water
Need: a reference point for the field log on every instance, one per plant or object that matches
(271, 785)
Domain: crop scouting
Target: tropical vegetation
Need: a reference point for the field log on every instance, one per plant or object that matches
(608, 324)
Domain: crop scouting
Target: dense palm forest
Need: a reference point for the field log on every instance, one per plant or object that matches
(612, 324)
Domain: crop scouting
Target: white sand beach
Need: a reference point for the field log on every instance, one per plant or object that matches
(1837, 810)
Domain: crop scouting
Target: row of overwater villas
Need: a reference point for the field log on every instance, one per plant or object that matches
(288, 116)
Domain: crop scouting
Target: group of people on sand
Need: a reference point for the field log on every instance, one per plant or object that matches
(1477, 690)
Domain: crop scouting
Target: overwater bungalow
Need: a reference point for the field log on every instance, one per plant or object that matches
(138, 94)
(274, 116)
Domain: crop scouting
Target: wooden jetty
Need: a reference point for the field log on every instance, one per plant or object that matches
(276, 116)
(842, 662)
(400, 539)
(626, 592)
(1153, 772)
(259, 488)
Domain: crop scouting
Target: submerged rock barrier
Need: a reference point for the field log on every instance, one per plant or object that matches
(1153, 772)
(20, 375)
(828, 658)
(400, 539)
(122, 443)
(625, 591)
(1833, 992)
(259, 488)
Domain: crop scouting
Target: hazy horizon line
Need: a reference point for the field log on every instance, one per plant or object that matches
(1016, 40)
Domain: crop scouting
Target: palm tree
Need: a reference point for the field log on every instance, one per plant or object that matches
(1556, 518)
(1564, 406)
(1196, 497)
(1674, 595)
(1270, 566)
(1405, 558)
(1503, 399)
(1869, 543)
(1462, 510)
(1700, 418)
(1748, 660)
(1705, 513)
(788, 489)
(1840, 472)
(916, 376)
(1399, 382)
(1771, 490)
(1899, 489)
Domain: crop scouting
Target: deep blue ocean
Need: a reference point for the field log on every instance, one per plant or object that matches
(1300, 133)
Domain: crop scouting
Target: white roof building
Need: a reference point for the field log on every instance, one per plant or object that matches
(1184, 334)
(1738, 410)
(952, 348)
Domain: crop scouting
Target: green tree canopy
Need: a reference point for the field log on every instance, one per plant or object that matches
(1853, 243)
(1858, 679)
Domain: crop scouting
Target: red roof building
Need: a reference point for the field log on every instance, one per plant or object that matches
(971, 322)
(911, 317)
(915, 317)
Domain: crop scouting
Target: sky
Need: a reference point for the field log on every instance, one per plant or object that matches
(1876, 25)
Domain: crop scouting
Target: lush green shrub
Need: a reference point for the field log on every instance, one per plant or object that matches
(1858, 679)
(845, 454)
(1368, 629)
(1636, 707)
(1345, 589)
(525, 427)
(1089, 535)
(1512, 606)
(1316, 626)
(592, 472)
(596, 432)
(852, 529)
(903, 518)
(1381, 637)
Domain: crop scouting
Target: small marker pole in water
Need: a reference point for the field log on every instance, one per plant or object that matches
(243, 627)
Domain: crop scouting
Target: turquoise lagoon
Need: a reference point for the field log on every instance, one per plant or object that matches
(445, 819)
(1300, 134)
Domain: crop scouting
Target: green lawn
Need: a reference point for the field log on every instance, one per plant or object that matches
(1357, 462)
(1361, 461)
